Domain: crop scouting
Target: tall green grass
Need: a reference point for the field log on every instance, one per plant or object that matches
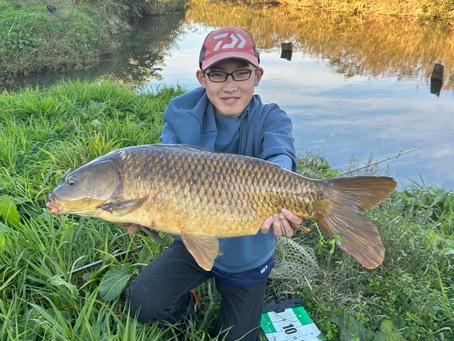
(44, 134)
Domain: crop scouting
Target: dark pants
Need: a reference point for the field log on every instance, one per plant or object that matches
(161, 293)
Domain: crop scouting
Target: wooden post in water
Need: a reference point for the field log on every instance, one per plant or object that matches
(436, 79)
(286, 51)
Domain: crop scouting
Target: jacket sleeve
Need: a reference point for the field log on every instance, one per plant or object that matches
(187, 120)
(277, 140)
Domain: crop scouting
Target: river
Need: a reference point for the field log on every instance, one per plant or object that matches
(353, 100)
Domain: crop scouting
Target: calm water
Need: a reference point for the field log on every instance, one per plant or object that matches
(342, 118)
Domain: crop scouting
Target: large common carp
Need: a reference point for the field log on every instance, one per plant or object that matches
(203, 196)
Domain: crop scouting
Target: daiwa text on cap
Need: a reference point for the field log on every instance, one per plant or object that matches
(227, 43)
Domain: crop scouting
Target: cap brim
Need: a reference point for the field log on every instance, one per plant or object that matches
(230, 55)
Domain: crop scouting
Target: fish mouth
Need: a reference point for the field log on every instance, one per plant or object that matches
(53, 206)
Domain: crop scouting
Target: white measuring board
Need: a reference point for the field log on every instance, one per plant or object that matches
(292, 324)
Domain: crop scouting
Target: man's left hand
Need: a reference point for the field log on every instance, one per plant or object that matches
(282, 224)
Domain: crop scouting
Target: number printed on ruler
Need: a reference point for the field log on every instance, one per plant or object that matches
(286, 321)
(289, 327)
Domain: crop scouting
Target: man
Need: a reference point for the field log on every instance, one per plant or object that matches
(222, 115)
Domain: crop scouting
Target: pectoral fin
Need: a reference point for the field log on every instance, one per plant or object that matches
(204, 249)
(123, 208)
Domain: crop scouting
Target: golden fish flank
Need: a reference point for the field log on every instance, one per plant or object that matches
(203, 196)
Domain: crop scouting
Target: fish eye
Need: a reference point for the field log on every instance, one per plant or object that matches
(71, 181)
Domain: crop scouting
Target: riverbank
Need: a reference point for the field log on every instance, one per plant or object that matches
(46, 133)
(69, 35)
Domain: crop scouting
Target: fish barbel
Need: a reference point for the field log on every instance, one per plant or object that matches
(205, 196)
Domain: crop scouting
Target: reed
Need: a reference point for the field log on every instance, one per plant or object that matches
(425, 10)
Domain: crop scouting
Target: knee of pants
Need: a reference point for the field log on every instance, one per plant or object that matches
(139, 305)
(150, 306)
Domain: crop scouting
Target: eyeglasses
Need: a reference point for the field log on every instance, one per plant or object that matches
(221, 76)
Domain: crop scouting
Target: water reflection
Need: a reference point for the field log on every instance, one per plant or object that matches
(372, 45)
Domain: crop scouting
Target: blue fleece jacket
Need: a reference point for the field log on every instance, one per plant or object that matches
(263, 131)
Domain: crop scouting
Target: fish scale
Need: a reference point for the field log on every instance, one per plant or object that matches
(205, 196)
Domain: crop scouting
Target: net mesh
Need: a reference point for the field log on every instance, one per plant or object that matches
(294, 261)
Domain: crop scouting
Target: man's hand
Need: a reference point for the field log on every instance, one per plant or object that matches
(132, 228)
(283, 224)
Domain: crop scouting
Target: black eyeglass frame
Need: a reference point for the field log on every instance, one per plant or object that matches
(232, 74)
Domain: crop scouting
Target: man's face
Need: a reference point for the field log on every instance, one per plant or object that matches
(230, 97)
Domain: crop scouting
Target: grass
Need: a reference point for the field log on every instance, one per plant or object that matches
(46, 133)
(34, 40)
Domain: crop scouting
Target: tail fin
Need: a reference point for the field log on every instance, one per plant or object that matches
(341, 214)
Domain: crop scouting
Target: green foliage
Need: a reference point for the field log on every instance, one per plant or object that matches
(352, 329)
(8, 210)
(115, 280)
(433, 203)
(316, 167)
